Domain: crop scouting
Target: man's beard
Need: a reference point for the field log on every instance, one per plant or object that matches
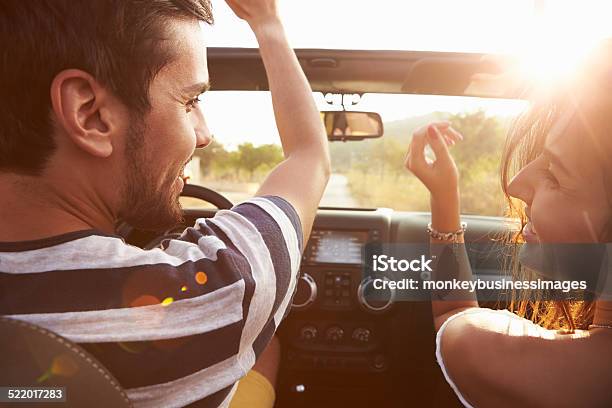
(144, 204)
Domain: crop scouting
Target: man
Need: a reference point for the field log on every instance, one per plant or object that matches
(99, 112)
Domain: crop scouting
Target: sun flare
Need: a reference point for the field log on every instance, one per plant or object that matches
(564, 34)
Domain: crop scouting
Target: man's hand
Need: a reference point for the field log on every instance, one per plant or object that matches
(301, 178)
(255, 12)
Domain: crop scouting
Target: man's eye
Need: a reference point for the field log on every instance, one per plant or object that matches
(192, 103)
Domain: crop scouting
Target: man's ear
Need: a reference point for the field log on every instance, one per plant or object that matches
(86, 112)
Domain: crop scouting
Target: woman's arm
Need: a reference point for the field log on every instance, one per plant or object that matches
(442, 180)
(497, 359)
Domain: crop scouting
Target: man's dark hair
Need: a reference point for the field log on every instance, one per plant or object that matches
(119, 42)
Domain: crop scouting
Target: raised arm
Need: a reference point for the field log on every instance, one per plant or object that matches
(302, 177)
(441, 179)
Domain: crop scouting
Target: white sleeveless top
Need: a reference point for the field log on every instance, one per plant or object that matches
(450, 382)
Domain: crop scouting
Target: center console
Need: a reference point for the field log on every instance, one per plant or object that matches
(332, 327)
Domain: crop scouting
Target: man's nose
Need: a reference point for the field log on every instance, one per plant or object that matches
(522, 185)
(203, 136)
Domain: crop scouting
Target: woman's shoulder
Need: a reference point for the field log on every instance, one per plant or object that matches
(492, 322)
(472, 345)
(486, 354)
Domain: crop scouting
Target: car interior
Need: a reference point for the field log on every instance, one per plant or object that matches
(339, 347)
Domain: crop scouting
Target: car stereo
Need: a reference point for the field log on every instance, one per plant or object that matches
(338, 246)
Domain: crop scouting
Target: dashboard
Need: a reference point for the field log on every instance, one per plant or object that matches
(339, 347)
(334, 341)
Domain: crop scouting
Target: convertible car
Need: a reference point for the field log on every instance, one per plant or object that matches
(340, 347)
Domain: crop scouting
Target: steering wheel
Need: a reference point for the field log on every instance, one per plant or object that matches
(208, 195)
(189, 190)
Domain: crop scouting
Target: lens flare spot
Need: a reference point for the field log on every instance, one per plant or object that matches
(167, 301)
(62, 365)
(201, 278)
(144, 300)
(129, 347)
(183, 288)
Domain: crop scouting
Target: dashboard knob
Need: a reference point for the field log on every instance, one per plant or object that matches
(308, 333)
(306, 292)
(334, 334)
(374, 300)
(379, 363)
(361, 335)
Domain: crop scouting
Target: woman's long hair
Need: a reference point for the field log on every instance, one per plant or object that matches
(524, 143)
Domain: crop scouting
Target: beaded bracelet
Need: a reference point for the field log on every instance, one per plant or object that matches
(446, 236)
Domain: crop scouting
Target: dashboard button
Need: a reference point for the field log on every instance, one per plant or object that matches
(361, 335)
(308, 333)
(334, 334)
(380, 362)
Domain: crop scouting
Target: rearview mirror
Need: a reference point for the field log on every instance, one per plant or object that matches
(345, 126)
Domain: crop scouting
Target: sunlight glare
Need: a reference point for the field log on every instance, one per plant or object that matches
(562, 36)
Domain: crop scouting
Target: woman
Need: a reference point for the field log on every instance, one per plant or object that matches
(562, 354)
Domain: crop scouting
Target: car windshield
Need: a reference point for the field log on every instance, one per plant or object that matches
(370, 173)
(366, 174)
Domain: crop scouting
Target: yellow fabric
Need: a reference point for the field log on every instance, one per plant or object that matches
(254, 391)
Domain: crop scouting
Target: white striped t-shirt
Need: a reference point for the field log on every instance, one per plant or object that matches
(176, 325)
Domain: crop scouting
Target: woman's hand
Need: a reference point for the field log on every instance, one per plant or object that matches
(255, 12)
(440, 176)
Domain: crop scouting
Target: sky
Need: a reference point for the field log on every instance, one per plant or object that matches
(441, 25)
(493, 26)
(548, 35)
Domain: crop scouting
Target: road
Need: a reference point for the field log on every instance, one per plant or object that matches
(337, 193)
